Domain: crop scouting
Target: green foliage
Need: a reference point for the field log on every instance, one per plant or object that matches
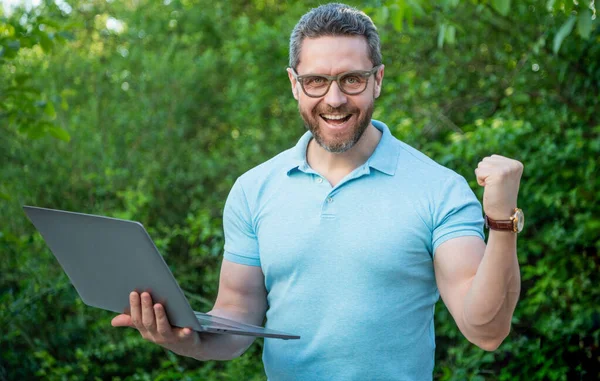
(25, 107)
(159, 106)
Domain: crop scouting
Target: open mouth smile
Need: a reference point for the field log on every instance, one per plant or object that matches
(336, 119)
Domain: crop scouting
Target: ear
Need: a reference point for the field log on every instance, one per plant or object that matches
(378, 81)
(294, 83)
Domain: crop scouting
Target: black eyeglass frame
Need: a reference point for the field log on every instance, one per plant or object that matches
(330, 78)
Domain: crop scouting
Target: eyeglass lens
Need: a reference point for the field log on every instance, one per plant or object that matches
(351, 83)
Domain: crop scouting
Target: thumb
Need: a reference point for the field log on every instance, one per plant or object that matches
(122, 320)
(183, 333)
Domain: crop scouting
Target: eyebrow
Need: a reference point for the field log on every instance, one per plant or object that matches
(314, 72)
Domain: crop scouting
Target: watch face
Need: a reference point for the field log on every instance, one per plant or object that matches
(520, 220)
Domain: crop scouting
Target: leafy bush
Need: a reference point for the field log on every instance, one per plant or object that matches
(166, 103)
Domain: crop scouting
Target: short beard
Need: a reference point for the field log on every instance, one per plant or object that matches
(312, 124)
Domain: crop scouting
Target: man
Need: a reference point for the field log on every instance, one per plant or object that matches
(346, 238)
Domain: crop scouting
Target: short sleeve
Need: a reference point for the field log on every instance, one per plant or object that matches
(241, 244)
(458, 212)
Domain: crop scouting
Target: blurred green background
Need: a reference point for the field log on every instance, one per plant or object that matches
(149, 110)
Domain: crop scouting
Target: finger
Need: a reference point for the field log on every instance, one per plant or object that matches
(486, 164)
(162, 322)
(498, 158)
(136, 310)
(122, 320)
(504, 161)
(480, 177)
(148, 318)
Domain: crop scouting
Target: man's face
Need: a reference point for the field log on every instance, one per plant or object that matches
(336, 120)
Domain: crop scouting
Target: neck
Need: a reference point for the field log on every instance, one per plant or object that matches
(334, 166)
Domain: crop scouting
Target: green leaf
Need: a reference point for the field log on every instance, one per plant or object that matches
(416, 7)
(584, 24)
(59, 133)
(441, 35)
(34, 132)
(46, 42)
(450, 34)
(397, 14)
(382, 14)
(409, 17)
(50, 111)
(563, 32)
(501, 6)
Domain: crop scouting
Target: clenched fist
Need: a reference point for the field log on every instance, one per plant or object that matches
(500, 177)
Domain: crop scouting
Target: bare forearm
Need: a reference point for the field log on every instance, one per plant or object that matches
(494, 291)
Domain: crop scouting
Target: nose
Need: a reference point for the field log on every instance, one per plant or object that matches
(335, 97)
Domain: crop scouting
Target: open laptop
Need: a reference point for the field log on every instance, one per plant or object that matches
(107, 258)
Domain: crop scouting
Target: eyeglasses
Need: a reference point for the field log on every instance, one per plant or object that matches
(350, 82)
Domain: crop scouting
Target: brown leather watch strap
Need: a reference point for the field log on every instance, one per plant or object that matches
(506, 225)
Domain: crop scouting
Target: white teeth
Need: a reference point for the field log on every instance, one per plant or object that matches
(334, 117)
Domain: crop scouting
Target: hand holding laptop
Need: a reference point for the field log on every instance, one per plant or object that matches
(152, 323)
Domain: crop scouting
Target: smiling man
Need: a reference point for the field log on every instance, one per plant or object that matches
(349, 238)
(345, 112)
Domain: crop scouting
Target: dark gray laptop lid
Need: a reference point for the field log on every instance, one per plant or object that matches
(107, 258)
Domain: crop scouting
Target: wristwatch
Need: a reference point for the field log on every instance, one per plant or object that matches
(515, 224)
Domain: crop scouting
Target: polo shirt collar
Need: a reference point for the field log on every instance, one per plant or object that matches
(386, 154)
(298, 157)
(383, 159)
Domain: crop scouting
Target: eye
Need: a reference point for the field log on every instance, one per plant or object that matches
(315, 81)
(352, 80)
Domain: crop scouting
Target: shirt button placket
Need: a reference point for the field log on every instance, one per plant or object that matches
(328, 211)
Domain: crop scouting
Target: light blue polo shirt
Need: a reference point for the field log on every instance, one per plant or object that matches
(349, 268)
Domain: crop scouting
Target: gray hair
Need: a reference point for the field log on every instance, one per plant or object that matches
(334, 20)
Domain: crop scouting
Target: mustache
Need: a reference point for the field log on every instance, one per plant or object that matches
(335, 110)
